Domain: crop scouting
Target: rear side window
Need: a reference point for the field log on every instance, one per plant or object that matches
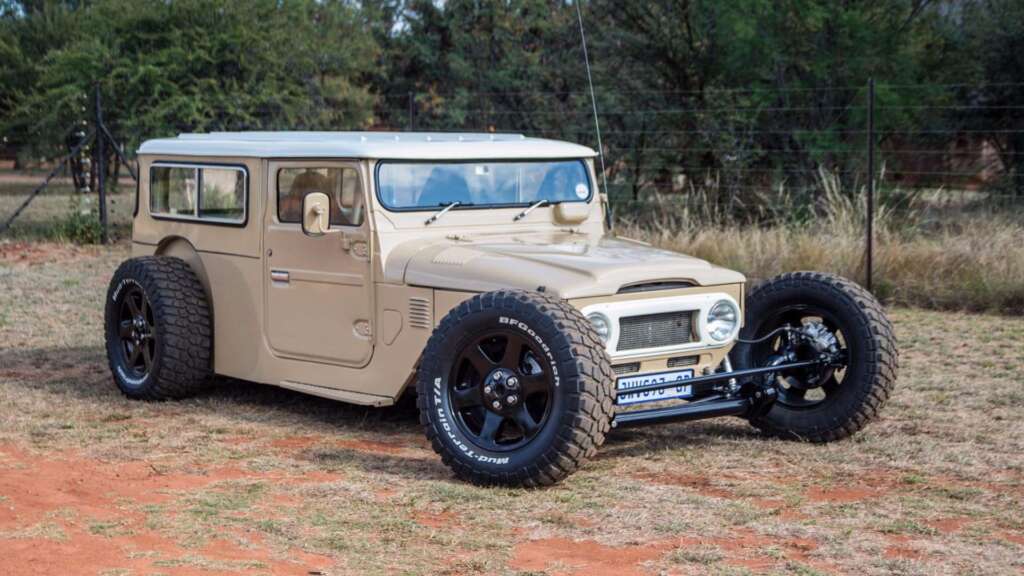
(341, 185)
(209, 193)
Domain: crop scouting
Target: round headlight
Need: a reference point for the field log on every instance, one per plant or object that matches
(601, 325)
(723, 318)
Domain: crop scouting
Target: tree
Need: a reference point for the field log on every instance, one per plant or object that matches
(758, 90)
(992, 33)
(202, 65)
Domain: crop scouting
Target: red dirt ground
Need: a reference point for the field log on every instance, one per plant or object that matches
(370, 446)
(65, 494)
(34, 253)
(701, 484)
(560, 556)
(742, 548)
(435, 519)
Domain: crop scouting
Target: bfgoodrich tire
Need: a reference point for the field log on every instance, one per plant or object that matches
(159, 333)
(515, 388)
(837, 403)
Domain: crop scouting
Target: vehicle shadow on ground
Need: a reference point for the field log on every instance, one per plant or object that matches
(81, 373)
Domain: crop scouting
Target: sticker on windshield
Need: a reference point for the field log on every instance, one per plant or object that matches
(582, 191)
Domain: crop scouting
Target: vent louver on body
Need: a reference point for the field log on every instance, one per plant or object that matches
(682, 361)
(621, 369)
(420, 315)
(652, 286)
(456, 256)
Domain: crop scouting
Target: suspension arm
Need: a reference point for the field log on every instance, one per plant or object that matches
(700, 381)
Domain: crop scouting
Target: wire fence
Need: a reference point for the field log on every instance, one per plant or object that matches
(936, 146)
(745, 155)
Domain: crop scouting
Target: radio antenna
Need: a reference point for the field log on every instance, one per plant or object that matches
(593, 99)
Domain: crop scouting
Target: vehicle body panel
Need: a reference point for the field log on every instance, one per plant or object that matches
(319, 291)
(361, 302)
(568, 265)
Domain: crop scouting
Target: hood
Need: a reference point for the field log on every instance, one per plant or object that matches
(568, 265)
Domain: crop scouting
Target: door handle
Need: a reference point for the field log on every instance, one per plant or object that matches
(280, 276)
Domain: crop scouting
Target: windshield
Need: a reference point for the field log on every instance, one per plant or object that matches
(426, 186)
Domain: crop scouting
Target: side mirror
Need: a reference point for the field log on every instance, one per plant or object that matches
(571, 212)
(316, 210)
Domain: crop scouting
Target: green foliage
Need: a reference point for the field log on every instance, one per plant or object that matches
(199, 65)
(80, 225)
(746, 93)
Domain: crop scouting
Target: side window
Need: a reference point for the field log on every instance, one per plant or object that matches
(217, 194)
(342, 185)
(172, 191)
(223, 194)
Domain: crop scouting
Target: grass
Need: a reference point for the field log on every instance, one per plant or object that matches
(59, 213)
(961, 256)
(931, 252)
(249, 479)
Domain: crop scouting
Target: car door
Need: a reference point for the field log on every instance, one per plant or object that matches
(319, 296)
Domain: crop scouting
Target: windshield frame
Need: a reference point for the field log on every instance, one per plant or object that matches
(459, 208)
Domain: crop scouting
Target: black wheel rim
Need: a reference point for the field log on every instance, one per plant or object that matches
(136, 332)
(500, 391)
(803, 388)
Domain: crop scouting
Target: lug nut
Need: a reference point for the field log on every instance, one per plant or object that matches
(512, 382)
(496, 404)
(487, 389)
(499, 376)
(511, 399)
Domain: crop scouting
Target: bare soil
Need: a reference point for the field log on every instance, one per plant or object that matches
(249, 479)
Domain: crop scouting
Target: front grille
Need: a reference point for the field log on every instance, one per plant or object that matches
(655, 330)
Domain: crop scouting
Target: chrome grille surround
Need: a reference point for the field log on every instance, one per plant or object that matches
(655, 330)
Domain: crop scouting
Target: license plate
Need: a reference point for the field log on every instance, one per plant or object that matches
(679, 391)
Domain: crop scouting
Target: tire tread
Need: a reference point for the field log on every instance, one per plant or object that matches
(882, 356)
(183, 321)
(589, 407)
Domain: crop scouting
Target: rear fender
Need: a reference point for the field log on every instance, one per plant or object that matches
(178, 247)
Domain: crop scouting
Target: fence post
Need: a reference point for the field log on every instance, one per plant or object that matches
(101, 167)
(870, 209)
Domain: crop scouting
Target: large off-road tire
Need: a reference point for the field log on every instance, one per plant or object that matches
(843, 401)
(515, 388)
(159, 332)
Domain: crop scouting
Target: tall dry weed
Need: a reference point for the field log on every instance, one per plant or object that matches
(965, 260)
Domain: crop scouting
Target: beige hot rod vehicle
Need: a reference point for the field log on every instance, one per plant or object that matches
(477, 271)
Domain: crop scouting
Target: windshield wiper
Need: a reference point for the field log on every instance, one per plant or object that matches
(433, 218)
(529, 209)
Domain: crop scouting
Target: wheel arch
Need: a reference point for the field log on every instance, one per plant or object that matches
(180, 248)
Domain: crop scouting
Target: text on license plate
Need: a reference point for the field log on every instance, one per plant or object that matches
(678, 391)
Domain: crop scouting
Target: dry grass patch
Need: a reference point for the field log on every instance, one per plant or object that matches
(254, 480)
(928, 253)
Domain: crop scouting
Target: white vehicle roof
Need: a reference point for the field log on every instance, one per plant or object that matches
(382, 145)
